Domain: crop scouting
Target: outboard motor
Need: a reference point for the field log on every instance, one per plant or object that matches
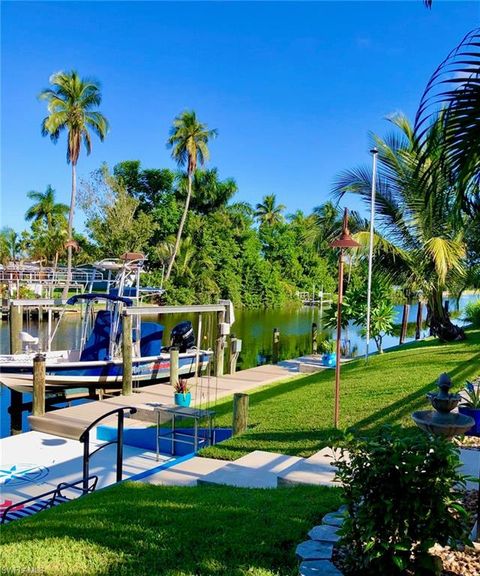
(182, 336)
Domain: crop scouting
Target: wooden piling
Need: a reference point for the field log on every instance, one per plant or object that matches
(314, 338)
(232, 355)
(276, 345)
(174, 356)
(240, 413)
(220, 345)
(403, 332)
(418, 327)
(16, 325)
(39, 373)
(127, 353)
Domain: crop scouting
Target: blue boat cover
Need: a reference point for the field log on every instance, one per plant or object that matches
(151, 339)
(98, 343)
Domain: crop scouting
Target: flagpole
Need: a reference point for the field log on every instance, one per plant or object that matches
(374, 153)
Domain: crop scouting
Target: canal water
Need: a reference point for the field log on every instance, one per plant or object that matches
(254, 327)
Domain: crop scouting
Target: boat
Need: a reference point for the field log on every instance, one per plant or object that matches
(97, 362)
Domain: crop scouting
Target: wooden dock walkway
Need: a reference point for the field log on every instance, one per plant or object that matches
(70, 422)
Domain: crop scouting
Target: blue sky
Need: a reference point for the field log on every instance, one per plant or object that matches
(293, 88)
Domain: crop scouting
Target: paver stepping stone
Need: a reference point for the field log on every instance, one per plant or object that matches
(324, 533)
(258, 469)
(312, 550)
(333, 519)
(318, 568)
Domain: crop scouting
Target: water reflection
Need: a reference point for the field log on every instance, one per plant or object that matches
(254, 327)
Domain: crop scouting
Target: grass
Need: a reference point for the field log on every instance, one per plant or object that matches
(139, 529)
(296, 417)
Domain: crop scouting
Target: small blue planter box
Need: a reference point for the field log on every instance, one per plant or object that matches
(146, 438)
(183, 399)
(329, 360)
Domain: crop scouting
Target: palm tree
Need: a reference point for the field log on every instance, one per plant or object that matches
(45, 210)
(426, 234)
(268, 211)
(189, 143)
(9, 245)
(454, 88)
(72, 103)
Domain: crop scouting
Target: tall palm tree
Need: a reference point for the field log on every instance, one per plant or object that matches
(72, 107)
(426, 235)
(189, 144)
(45, 210)
(268, 211)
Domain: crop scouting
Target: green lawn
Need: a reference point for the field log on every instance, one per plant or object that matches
(296, 417)
(137, 529)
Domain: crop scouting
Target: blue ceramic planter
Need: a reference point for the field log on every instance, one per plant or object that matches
(329, 360)
(475, 414)
(183, 399)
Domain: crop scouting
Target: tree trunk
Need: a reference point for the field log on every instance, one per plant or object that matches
(70, 231)
(439, 321)
(180, 228)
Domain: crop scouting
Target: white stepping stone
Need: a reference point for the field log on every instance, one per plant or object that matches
(324, 533)
(312, 550)
(316, 470)
(255, 470)
(318, 568)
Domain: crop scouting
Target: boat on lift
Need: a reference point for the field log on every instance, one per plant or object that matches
(97, 362)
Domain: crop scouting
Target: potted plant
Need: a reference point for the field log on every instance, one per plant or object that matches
(182, 393)
(327, 347)
(470, 405)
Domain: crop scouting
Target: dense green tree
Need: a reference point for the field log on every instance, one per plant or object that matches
(189, 144)
(209, 193)
(114, 220)
(72, 107)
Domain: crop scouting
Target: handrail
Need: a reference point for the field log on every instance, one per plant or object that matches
(55, 493)
(85, 439)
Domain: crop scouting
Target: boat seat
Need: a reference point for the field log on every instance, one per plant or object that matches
(98, 343)
(151, 335)
(28, 341)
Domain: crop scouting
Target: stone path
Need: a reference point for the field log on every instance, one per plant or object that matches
(315, 555)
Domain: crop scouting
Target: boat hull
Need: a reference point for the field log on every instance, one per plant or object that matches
(99, 374)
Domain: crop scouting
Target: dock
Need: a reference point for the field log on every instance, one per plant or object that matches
(70, 422)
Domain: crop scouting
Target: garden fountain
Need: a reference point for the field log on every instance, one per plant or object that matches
(442, 421)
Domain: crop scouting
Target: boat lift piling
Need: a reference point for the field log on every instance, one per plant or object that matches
(39, 373)
(127, 353)
(174, 360)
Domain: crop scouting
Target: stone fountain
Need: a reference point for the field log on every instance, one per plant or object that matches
(442, 421)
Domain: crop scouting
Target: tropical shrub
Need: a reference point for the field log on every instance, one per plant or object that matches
(472, 312)
(402, 490)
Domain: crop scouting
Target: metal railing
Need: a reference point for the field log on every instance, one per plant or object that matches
(85, 439)
(48, 499)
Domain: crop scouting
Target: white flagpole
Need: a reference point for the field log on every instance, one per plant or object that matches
(374, 153)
